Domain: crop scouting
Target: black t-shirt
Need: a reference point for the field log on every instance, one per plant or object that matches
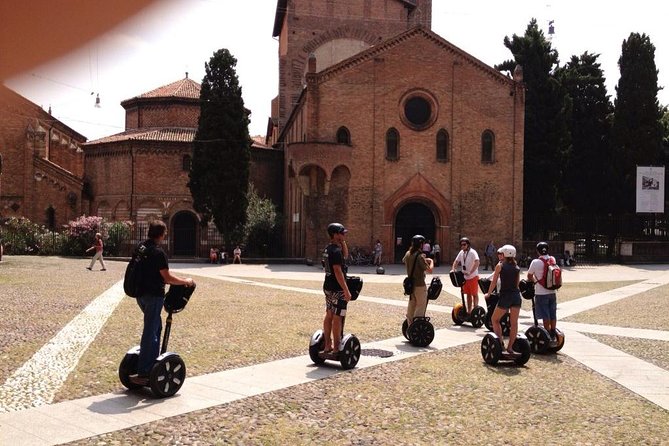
(332, 255)
(156, 260)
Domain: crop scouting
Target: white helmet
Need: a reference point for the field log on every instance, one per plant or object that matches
(508, 250)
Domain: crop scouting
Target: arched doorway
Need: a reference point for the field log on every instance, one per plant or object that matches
(412, 218)
(184, 229)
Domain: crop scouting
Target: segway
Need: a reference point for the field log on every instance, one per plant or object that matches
(459, 312)
(421, 331)
(349, 347)
(538, 336)
(491, 350)
(168, 372)
(491, 304)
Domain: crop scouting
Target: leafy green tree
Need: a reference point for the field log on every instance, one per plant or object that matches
(637, 128)
(547, 108)
(219, 173)
(588, 172)
(262, 229)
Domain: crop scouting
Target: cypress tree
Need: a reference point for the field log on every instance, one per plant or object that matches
(588, 172)
(546, 110)
(637, 127)
(219, 174)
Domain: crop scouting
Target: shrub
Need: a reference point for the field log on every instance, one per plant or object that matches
(119, 233)
(20, 236)
(81, 234)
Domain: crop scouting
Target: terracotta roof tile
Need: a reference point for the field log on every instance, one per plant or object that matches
(184, 88)
(158, 135)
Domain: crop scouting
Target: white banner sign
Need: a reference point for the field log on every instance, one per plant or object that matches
(649, 189)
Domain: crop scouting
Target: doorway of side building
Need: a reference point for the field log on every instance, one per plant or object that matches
(184, 231)
(412, 218)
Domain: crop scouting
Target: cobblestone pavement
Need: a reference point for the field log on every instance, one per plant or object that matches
(35, 383)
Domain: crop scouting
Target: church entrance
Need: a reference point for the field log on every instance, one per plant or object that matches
(412, 219)
(184, 231)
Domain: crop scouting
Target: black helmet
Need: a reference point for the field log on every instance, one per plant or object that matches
(465, 240)
(542, 248)
(336, 228)
(417, 241)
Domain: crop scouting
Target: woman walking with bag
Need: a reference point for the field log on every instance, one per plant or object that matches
(98, 246)
(417, 265)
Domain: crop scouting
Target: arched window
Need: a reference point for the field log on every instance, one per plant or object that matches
(392, 144)
(488, 147)
(51, 218)
(442, 145)
(343, 136)
(186, 162)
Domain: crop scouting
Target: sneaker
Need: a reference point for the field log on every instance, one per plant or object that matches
(103, 269)
(89, 268)
(139, 380)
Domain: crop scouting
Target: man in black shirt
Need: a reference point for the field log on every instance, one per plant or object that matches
(156, 274)
(336, 291)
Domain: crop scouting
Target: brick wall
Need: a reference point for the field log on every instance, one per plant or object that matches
(466, 196)
(159, 113)
(310, 24)
(41, 164)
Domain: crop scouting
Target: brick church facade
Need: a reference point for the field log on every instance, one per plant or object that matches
(392, 130)
(142, 173)
(41, 164)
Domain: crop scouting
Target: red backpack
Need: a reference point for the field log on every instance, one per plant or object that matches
(552, 278)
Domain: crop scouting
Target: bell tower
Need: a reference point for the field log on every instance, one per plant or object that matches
(332, 31)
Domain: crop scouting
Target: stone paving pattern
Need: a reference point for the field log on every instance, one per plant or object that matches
(78, 419)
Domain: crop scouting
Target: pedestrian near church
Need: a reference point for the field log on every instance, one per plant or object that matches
(155, 274)
(427, 248)
(98, 246)
(436, 253)
(337, 294)
(468, 260)
(237, 253)
(417, 264)
(545, 300)
(489, 253)
(378, 251)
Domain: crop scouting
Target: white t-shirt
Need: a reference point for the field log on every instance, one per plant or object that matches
(537, 268)
(467, 261)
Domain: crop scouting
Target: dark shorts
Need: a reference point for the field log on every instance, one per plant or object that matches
(335, 302)
(546, 306)
(508, 299)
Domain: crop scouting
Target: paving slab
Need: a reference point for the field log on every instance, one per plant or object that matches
(637, 375)
(72, 420)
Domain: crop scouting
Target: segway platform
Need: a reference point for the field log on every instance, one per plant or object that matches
(459, 312)
(168, 372)
(349, 347)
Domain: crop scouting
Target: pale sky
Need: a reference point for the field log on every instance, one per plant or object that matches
(160, 44)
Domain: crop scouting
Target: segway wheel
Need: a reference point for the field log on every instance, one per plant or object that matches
(538, 338)
(405, 326)
(454, 314)
(505, 322)
(478, 317)
(421, 333)
(522, 346)
(350, 355)
(167, 376)
(488, 319)
(128, 367)
(316, 345)
(491, 348)
(560, 342)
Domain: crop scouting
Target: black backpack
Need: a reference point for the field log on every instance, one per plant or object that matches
(134, 272)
